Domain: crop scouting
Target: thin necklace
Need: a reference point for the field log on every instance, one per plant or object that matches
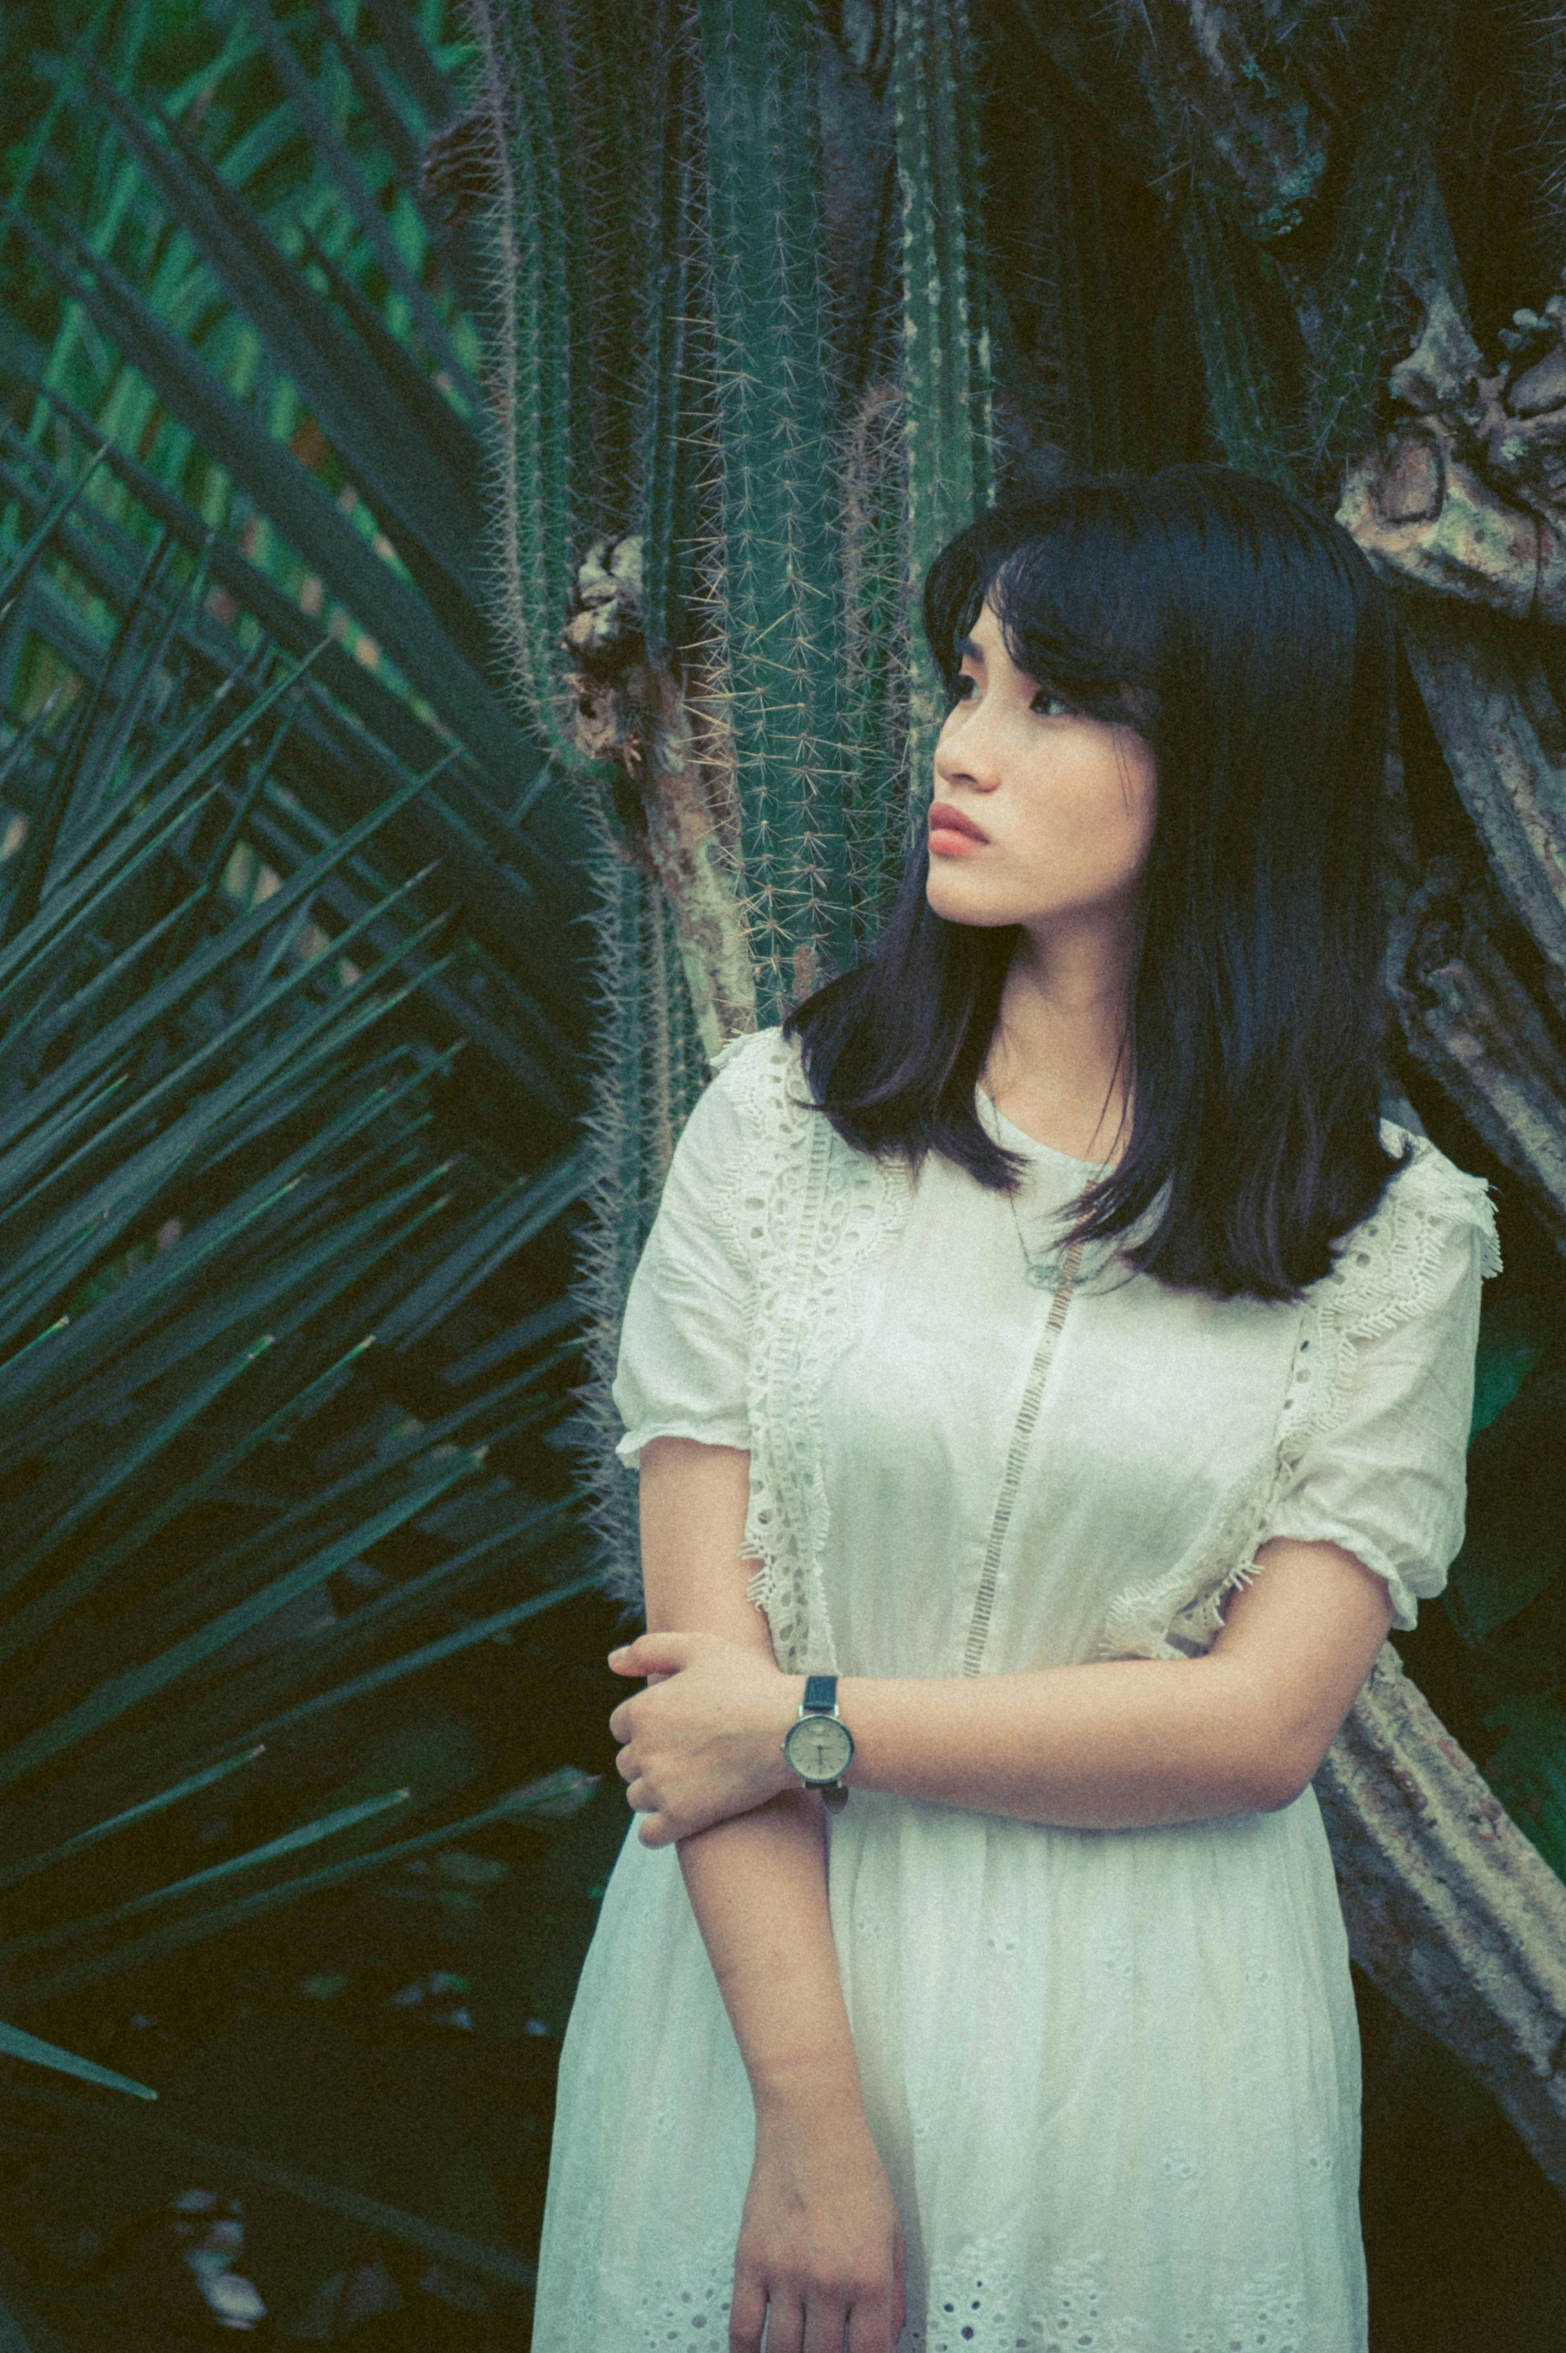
(1055, 1272)
(1057, 1269)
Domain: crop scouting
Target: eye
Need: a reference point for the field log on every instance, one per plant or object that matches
(1055, 705)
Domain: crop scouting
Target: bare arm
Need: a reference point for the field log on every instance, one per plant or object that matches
(1122, 1744)
(757, 1884)
(1127, 1743)
(820, 2224)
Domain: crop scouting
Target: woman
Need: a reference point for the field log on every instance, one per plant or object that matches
(1045, 1326)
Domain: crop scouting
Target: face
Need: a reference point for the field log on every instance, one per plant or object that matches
(1066, 802)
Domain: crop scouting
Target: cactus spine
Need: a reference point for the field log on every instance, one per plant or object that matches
(949, 415)
(771, 587)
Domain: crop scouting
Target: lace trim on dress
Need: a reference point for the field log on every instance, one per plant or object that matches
(979, 2304)
(976, 2304)
(1381, 1277)
(1022, 1431)
(805, 1210)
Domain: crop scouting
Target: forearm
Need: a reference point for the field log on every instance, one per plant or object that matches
(758, 1887)
(1122, 1744)
(1117, 1744)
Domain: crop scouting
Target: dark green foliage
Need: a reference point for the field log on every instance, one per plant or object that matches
(1507, 1598)
(291, 1009)
(274, 1358)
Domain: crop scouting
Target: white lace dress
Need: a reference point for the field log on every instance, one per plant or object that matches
(1114, 2075)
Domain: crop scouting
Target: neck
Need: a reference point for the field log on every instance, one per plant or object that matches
(1057, 1051)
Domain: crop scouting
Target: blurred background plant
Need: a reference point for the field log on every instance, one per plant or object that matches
(463, 474)
(302, 1809)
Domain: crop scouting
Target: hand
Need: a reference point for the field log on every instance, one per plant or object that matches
(821, 2242)
(705, 1740)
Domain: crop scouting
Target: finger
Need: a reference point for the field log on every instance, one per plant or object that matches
(625, 1763)
(826, 2317)
(747, 2312)
(786, 2324)
(873, 2326)
(652, 1654)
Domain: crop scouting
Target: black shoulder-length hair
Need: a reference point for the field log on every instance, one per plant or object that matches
(1248, 640)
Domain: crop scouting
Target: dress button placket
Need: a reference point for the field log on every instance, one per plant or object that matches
(1028, 1414)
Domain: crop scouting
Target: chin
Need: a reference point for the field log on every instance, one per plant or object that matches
(960, 906)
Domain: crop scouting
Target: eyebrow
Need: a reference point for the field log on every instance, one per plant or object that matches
(968, 651)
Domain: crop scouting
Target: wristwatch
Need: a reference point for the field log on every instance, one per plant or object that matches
(818, 1744)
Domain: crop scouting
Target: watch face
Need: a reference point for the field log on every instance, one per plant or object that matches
(819, 1747)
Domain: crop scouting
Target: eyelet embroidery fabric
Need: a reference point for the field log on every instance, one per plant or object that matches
(978, 2304)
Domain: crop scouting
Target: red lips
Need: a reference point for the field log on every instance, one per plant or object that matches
(944, 818)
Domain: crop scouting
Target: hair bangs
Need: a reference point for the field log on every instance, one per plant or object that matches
(1071, 601)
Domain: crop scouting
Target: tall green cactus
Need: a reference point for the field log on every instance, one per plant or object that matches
(543, 456)
(1380, 200)
(771, 589)
(948, 421)
(719, 599)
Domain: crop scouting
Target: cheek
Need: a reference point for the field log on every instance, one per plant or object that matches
(1103, 824)
(1131, 802)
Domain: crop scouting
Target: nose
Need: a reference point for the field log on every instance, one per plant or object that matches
(968, 753)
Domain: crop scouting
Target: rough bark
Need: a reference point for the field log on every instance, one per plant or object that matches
(1495, 715)
(1471, 1020)
(678, 808)
(1449, 1909)
(1464, 492)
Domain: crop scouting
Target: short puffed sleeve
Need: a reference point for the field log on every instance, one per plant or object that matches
(683, 1361)
(1379, 1460)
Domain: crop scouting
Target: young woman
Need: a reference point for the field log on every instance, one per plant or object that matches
(1044, 1355)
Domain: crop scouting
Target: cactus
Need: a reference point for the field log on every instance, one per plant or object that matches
(1379, 201)
(875, 476)
(709, 616)
(948, 425)
(1534, 59)
(1240, 383)
(542, 448)
(770, 592)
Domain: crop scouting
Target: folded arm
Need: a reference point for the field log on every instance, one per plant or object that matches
(1118, 1744)
(757, 1883)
